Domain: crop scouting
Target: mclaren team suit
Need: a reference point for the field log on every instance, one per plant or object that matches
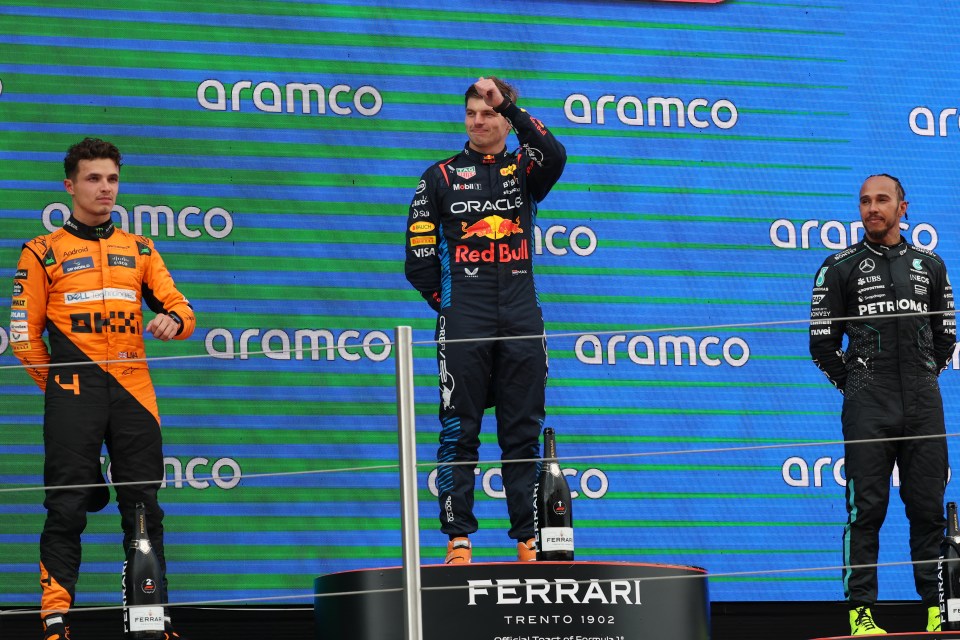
(469, 245)
(888, 376)
(85, 286)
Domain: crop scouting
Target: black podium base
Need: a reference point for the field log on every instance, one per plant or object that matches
(919, 635)
(520, 601)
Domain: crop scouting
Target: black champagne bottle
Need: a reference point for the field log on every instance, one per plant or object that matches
(948, 573)
(141, 581)
(553, 513)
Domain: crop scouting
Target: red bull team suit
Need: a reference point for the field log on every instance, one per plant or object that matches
(85, 287)
(888, 376)
(469, 249)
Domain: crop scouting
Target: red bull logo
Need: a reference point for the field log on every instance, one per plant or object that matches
(506, 171)
(494, 253)
(493, 227)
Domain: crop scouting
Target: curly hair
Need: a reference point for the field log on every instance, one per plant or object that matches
(89, 149)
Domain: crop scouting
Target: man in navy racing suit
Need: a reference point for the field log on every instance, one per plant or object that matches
(888, 376)
(469, 246)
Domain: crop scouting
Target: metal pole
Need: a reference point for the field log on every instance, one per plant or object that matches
(409, 511)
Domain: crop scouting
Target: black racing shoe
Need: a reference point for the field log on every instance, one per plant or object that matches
(56, 627)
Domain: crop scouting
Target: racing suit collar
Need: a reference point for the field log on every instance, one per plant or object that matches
(485, 158)
(77, 228)
(883, 250)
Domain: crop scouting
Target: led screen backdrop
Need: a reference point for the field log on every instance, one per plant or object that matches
(271, 150)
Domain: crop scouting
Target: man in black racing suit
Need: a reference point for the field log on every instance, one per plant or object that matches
(469, 247)
(888, 377)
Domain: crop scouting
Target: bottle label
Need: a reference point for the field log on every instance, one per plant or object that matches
(556, 539)
(146, 618)
(953, 609)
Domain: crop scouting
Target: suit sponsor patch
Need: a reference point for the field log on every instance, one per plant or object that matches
(422, 227)
(77, 264)
(75, 297)
(115, 260)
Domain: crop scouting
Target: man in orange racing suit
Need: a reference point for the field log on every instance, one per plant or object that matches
(85, 284)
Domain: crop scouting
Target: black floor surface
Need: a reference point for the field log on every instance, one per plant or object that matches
(730, 621)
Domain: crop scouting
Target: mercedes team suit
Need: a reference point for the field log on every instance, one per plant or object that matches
(469, 247)
(888, 377)
(85, 286)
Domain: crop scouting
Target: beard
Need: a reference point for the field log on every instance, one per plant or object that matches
(878, 234)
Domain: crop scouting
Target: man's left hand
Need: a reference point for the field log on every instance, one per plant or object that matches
(163, 327)
(488, 90)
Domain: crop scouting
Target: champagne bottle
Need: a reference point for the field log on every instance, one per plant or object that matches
(948, 573)
(142, 585)
(553, 513)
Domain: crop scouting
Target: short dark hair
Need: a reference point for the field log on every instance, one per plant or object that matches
(509, 91)
(901, 194)
(89, 149)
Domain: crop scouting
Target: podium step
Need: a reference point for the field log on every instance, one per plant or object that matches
(520, 601)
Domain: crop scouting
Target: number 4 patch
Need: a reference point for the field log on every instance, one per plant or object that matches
(74, 384)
